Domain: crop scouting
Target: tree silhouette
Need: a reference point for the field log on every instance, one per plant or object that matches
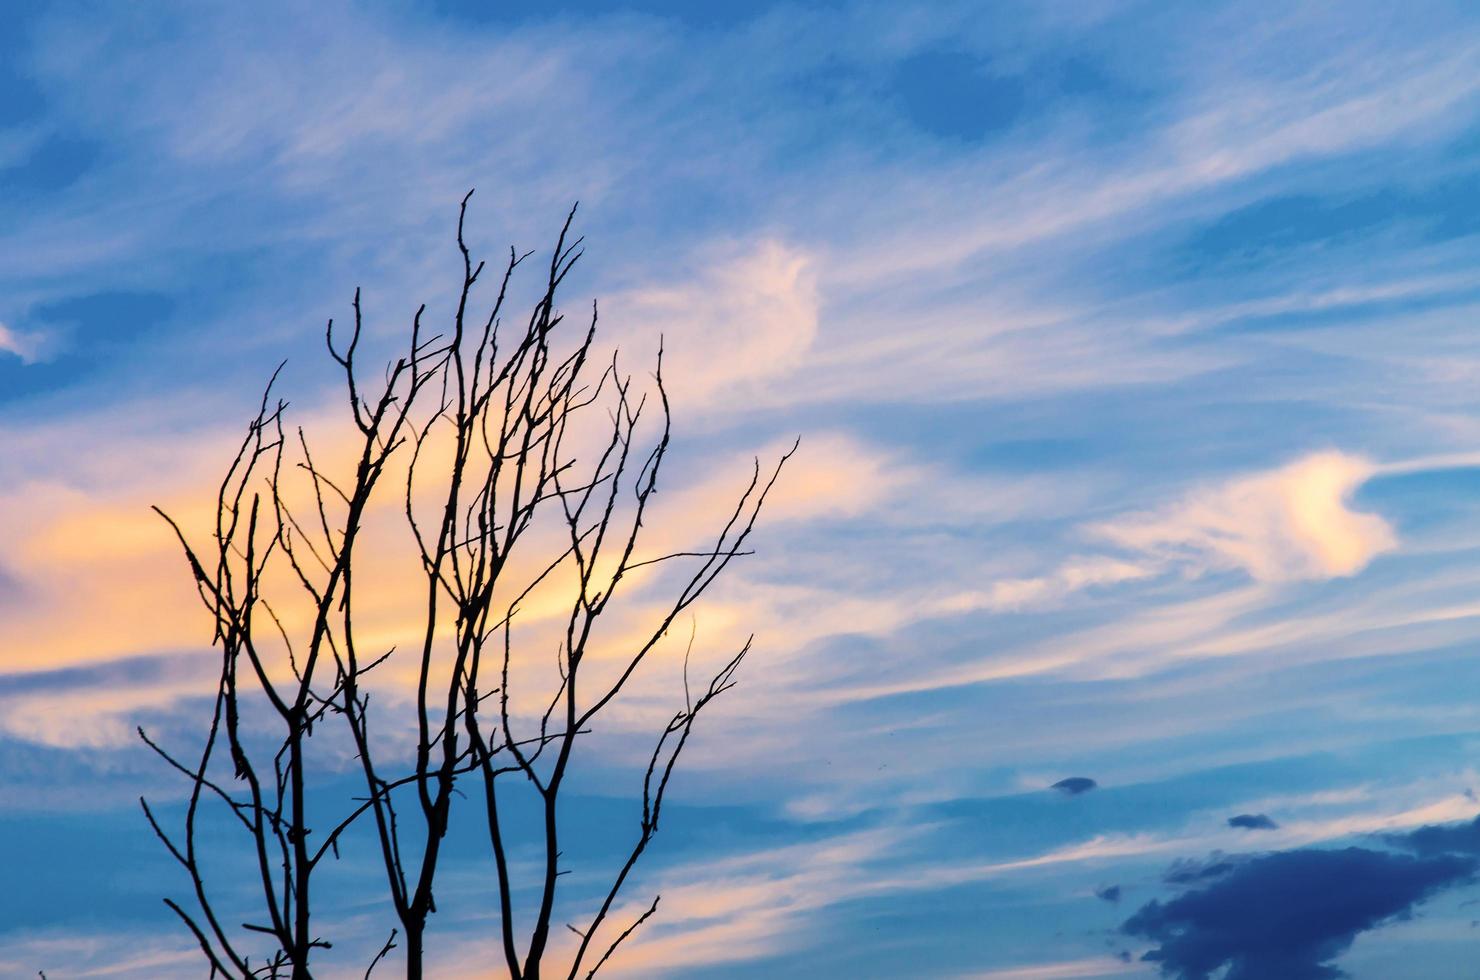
(520, 474)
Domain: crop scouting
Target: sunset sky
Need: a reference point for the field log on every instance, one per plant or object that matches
(1134, 349)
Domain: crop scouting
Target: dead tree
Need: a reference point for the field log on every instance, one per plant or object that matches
(524, 465)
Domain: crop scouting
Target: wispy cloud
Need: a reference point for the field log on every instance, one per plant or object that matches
(1296, 522)
(1099, 966)
(1136, 414)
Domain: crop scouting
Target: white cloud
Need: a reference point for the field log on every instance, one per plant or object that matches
(1096, 966)
(118, 956)
(733, 909)
(735, 326)
(1293, 523)
(96, 715)
(1073, 576)
(29, 347)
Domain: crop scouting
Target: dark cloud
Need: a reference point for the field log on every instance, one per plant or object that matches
(1454, 838)
(1075, 785)
(1286, 915)
(1110, 893)
(1189, 871)
(140, 671)
(1252, 821)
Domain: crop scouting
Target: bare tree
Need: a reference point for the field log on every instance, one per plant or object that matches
(522, 472)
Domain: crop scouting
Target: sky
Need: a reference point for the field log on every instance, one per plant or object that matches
(1118, 614)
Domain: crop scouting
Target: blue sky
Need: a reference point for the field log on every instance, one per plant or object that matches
(1132, 350)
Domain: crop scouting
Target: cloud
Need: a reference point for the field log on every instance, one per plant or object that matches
(729, 909)
(1252, 821)
(1285, 916)
(97, 706)
(97, 955)
(752, 904)
(1291, 523)
(1074, 785)
(82, 536)
(833, 475)
(1075, 575)
(732, 330)
(1455, 838)
(863, 274)
(1067, 970)
(28, 346)
(1188, 871)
